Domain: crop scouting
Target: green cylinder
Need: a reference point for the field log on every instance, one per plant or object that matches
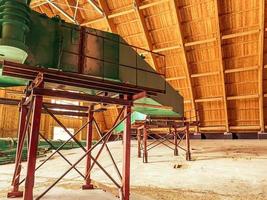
(15, 24)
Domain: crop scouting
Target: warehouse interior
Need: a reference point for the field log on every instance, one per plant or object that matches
(133, 99)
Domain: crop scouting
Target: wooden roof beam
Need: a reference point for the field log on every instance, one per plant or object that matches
(104, 6)
(95, 6)
(261, 64)
(241, 69)
(221, 65)
(200, 42)
(208, 99)
(204, 74)
(234, 35)
(145, 31)
(209, 40)
(174, 6)
(125, 12)
(240, 97)
(175, 78)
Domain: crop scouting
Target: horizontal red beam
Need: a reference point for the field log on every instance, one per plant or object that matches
(80, 96)
(74, 79)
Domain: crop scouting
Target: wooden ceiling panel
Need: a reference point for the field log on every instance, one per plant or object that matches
(115, 5)
(211, 113)
(238, 15)
(198, 20)
(244, 112)
(242, 83)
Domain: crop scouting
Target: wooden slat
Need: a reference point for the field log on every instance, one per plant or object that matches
(125, 12)
(204, 74)
(104, 6)
(234, 35)
(252, 96)
(218, 33)
(208, 99)
(241, 69)
(175, 78)
(189, 44)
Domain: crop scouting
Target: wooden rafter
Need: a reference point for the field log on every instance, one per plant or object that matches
(145, 31)
(187, 69)
(210, 40)
(104, 6)
(261, 65)
(218, 33)
(125, 12)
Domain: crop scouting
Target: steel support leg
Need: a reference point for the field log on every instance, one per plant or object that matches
(33, 145)
(188, 152)
(145, 145)
(175, 135)
(138, 133)
(88, 185)
(126, 156)
(20, 144)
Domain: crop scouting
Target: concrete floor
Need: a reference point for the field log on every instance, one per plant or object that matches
(221, 169)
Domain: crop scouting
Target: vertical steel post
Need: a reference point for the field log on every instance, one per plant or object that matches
(126, 155)
(197, 122)
(145, 145)
(88, 185)
(188, 153)
(138, 133)
(33, 145)
(175, 135)
(20, 144)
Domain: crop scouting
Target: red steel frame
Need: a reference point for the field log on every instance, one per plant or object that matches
(31, 109)
(143, 134)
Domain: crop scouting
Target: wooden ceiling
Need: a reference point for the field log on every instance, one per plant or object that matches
(214, 50)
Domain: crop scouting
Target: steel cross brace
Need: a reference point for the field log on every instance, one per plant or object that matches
(58, 149)
(87, 153)
(177, 139)
(53, 147)
(81, 146)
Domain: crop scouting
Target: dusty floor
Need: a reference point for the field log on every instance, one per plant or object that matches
(220, 170)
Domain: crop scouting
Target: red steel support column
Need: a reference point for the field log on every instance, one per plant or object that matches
(126, 156)
(138, 142)
(145, 145)
(33, 145)
(21, 137)
(88, 185)
(188, 153)
(175, 141)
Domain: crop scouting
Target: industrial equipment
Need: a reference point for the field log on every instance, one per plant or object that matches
(62, 60)
(30, 38)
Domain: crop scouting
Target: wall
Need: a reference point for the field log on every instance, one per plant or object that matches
(9, 116)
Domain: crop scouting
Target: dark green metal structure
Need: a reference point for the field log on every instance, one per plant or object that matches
(36, 40)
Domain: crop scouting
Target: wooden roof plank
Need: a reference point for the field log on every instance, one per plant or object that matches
(104, 6)
(174, 6)
(218, 33)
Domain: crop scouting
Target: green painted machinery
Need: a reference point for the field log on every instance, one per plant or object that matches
(34, 39)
